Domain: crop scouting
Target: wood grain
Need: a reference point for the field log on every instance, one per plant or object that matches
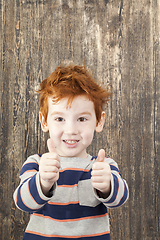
(119, 40)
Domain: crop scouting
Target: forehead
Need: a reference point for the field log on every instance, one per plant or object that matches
(79, 103)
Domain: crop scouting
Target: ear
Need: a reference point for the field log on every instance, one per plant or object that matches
(44, 125)
(100, 124)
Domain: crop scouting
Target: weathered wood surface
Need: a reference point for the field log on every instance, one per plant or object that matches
(120, 41)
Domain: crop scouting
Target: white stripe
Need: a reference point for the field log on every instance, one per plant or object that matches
(73, 228)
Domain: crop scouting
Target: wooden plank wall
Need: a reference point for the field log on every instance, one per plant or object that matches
(120, 41)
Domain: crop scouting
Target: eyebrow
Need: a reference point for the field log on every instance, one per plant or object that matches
(56, 113)
(85, 113)
(61, 113)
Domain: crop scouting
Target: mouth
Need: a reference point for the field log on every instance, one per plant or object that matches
(71, 141)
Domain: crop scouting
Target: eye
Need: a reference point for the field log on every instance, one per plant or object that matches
(59, 119)
(82, 119)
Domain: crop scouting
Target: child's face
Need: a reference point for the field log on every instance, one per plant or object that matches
(72, 128)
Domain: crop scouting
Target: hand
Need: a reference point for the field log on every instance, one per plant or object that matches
(49, 168)
(101, 175)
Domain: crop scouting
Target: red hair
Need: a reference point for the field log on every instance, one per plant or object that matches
(69, 82)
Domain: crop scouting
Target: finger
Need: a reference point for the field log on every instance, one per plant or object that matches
(49, 176)
(51, 169)
(52, 162)
(97, 170)
(50, 145)
(101, 155)
(97, 179)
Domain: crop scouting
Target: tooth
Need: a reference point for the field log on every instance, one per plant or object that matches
(71, 141)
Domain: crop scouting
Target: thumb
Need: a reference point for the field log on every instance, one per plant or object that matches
(50, 145)
(101, 155)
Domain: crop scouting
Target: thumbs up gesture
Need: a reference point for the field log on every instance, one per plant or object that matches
(101, 175)
(49, 168)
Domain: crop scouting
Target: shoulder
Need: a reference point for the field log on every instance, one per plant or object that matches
(31, 165)
(110, 161)
(33, 159)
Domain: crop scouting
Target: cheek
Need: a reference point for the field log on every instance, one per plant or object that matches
(88, 136)
(54, 132)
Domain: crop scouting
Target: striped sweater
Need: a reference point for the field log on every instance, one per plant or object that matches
(73, 210)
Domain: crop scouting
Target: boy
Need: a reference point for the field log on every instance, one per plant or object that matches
(66, 190)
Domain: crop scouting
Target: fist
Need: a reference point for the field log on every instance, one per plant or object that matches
(101, 175)
(49, 168)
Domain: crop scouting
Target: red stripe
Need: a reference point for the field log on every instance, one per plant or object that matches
(67, 186)
(75, 169)
(63, 204)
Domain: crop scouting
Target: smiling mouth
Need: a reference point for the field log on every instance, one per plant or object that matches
(71, 141)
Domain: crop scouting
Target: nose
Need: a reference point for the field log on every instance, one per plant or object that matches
(71, 128)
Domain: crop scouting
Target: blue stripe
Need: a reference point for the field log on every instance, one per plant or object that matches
(29, 166)
(34, 191)
(72, 211)
(29, 236)
(93, 158)
(86, 175)
(113, 168)
(116, 186)
(71, 177)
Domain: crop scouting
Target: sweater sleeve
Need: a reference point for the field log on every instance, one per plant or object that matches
(119, 188)
(28, 196)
